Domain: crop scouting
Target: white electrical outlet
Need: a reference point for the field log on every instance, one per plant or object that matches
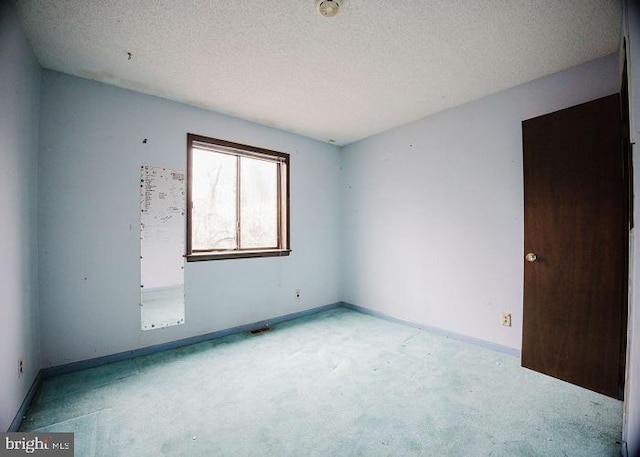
(20, 367)
(505, 319)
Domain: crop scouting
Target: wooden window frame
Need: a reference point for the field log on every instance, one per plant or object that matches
(217, 145)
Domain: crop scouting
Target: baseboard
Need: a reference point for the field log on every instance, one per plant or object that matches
(15, 424)
(455, 336)
(99, 361)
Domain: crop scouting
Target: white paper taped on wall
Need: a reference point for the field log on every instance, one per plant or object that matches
(162, 244)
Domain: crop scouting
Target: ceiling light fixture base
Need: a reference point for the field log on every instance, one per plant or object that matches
(328, 8)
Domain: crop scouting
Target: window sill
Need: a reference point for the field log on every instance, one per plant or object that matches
(237, 255)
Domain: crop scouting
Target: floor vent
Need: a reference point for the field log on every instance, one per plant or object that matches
(260, 330)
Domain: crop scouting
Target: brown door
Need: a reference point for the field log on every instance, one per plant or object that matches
(574, 321)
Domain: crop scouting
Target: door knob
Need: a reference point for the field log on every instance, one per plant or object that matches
(531, 257)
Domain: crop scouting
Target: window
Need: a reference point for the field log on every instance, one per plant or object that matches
(237, 200)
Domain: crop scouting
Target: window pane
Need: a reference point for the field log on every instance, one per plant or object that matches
(259, 203)
(214, 184)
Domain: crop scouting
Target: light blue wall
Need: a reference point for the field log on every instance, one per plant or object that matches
(631, 30)
(91, 150)
(19, 92)
(433, 210)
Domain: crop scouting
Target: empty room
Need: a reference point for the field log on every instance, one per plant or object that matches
(319, 228)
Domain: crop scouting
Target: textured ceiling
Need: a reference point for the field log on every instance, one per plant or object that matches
(376, 65)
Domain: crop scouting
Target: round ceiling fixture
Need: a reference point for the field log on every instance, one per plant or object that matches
(328, 8)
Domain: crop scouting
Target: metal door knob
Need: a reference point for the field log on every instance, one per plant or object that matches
(531, 257)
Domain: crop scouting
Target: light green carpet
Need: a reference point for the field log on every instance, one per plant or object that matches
(338, 383)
